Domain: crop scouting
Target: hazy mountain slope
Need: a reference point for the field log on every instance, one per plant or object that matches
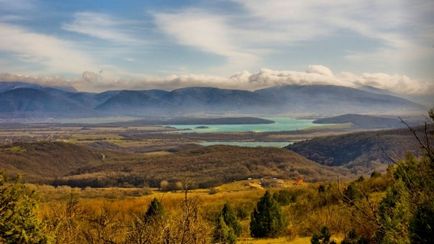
(180, 101)
(38, 101)
(127, 102)
(21, 99)
(315, 99)
(327, 99)
(10, 85)
(361, 152)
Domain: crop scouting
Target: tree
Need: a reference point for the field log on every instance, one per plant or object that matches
(230, 219)
(223, 233)
(164, 185)
(155, 210)
(187, 226)
(267, 219)
(406, 212)
(149, 228)
(18, 221)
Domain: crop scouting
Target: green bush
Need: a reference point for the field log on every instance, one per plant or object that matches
(223, 233)
(18, 221)
(155, 210)
(231, 219)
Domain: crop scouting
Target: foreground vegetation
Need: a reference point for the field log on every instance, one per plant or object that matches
(394, 207)
(382, 208)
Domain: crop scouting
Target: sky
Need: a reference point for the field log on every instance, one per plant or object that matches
(112, 44)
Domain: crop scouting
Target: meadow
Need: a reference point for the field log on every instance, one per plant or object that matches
(82, 215)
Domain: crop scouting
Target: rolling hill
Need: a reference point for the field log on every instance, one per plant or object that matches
(42, 161)
(363, 121)
(361, 152)
(78, 165)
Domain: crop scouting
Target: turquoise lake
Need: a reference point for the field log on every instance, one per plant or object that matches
(247, 143)
(280, 124)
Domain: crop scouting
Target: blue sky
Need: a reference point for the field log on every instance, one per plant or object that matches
(109, 44)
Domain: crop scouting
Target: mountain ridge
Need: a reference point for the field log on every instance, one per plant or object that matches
(39, 101)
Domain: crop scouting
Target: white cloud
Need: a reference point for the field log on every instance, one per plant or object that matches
(265, 27)
(101, 26)
(314, 75)
(54, 54)
(207, 32)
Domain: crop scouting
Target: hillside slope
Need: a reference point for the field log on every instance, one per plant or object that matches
(209, 166)
(45, 160)
(362, 121)
(361, 152)
(79, 165)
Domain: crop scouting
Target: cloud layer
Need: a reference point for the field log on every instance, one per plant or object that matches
(261, 28)
(101, 26)
(313, 75)
(51, 53)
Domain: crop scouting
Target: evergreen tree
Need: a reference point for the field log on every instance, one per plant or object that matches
(267, 219)
(18, 221)
(155, 210)
(230, 219)
(148, 228)
(223, 233)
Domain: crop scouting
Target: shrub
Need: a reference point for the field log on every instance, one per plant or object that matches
(323, 237)
(284, 197)
(213, 191)
(155, 210)
(231, 219)
(223, 233)
(18, 222)
(352, 193)
(421, 226)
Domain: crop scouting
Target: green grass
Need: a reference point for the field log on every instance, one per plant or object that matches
(17, 149)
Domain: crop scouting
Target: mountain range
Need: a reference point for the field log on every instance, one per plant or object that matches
(23, 100)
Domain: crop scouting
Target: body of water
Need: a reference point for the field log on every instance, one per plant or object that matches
(247, 143)
(280, 124)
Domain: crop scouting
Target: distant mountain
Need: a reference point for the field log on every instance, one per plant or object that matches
(19, 99)
(9, 85)
(27, 101)
(334, 100)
